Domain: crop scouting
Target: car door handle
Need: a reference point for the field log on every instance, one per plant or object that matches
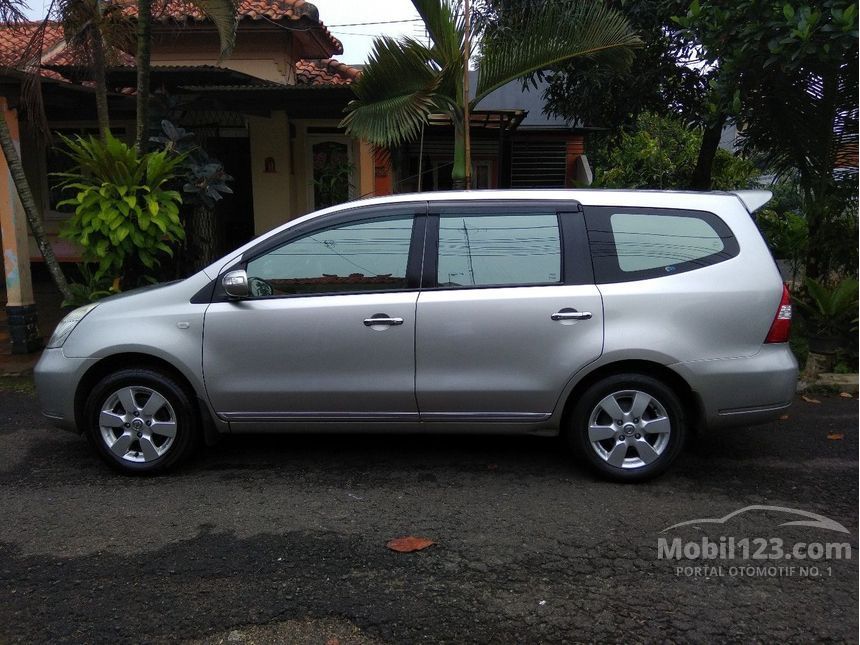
(571, 314)
(382, 319)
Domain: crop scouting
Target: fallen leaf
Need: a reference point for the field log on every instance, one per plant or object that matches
(332, 641)
(409, 544)
(784, 417)
(492, 466)
(809, 399)
(846, 395)
(835, 436)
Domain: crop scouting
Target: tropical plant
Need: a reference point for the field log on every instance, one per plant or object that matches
(663, 77)
(90, 288)
(204, 182)
(795, 69)
(830, 310)
(405, 80)
(662, 152)
(122, 210)
(787, 234)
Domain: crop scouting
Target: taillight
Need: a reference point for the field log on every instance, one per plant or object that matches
(780, 330)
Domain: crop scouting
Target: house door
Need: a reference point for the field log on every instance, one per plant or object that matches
(333, 171)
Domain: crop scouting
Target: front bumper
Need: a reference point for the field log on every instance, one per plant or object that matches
(57, 377)
(743, 391)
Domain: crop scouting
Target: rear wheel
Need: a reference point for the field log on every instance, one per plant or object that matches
(141, 421)
(629, 427)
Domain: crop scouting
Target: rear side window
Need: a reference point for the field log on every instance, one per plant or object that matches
(494, 250)
(637, 244)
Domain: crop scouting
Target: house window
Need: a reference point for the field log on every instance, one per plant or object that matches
(333, 172)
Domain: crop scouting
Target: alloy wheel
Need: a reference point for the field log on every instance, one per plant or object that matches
(137, 424)
(629, 429)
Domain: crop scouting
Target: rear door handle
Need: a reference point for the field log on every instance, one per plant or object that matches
(382, 319)
(571, 314)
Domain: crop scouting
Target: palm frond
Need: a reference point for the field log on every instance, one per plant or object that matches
(803, 118)
(445, 27)
(394, 94)
(556, 34)
(12, 11)
(225, 17)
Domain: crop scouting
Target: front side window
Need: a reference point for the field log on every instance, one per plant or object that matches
(353, 257)
(494, 250)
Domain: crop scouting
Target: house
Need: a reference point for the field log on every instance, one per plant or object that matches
(270, 112)
(514, 145)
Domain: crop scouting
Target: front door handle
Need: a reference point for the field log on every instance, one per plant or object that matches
(571, 314)
(382, 319)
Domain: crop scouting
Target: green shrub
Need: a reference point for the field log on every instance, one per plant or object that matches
(122, 210)
(661, 152)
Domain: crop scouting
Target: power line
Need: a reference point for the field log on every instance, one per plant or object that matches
(381, 22)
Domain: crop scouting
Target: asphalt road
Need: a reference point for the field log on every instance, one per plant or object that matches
(282, 539)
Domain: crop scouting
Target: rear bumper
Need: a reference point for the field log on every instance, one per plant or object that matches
(743, 391)
(57, 377)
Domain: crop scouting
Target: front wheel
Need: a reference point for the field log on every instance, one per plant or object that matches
(140, 421)
(629, 427)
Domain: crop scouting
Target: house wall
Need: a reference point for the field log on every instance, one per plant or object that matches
(266, 55)
(273, 193)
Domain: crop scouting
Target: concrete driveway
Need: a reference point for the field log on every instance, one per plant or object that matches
(282, 539)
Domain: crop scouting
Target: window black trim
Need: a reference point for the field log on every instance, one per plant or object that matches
(604, 253)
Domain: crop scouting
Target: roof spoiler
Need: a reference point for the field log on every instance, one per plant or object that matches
(753, 199)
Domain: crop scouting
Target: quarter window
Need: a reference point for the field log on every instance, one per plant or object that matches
(652, 241)
(637, 244)
(368, 256)
(493, 250)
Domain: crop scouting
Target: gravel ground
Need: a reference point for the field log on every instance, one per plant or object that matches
(282, 539)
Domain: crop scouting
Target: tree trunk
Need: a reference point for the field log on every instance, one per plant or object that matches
(34, 217)
(458, 170)
(701, 179)
(203, 236)
(144, 43)
(99, 71)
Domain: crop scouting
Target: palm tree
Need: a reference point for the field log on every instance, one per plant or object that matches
(405, 81)
(222, 13)
(96, 29)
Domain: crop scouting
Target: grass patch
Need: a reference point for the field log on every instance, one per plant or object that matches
(17, 384)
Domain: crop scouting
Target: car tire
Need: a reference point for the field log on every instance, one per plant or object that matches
(141, 421)
(644, 438)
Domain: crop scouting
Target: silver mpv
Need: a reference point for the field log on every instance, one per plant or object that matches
(620, 320)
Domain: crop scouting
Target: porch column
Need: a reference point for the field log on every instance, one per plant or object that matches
(20, 305)
(271, 171)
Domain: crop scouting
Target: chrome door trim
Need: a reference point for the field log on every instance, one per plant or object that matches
(471, 417)
(485, 416)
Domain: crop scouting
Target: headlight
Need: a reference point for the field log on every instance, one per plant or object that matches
(67, 324)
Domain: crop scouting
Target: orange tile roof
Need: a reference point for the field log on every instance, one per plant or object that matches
(324, 72)
(277, 10)
(15, 42)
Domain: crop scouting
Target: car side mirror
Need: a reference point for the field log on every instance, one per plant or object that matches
(235, 284)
